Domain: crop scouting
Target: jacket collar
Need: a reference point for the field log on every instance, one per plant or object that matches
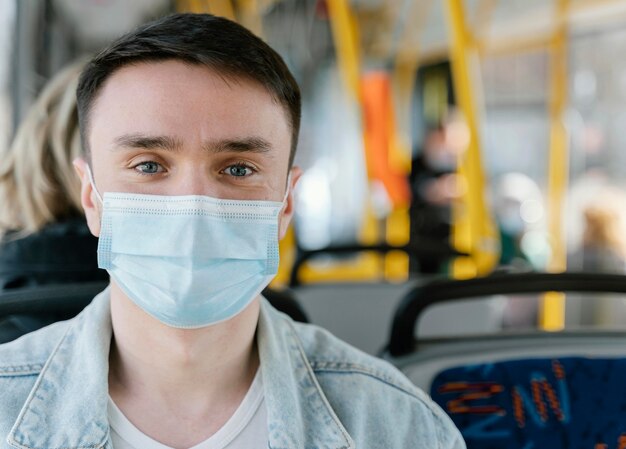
(299, 414)
(67, 407)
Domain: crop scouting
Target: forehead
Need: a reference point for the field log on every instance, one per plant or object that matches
(186, 101)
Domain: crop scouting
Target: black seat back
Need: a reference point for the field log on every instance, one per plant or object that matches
(28, 309)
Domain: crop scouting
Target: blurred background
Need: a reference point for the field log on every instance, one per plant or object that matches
(445, 138)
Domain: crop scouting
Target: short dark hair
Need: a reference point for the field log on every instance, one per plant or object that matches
(203, 39)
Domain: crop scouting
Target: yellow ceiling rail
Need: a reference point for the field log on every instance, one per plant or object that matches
(584, 6)
(505, 46)
(598, 11)
(473, 230)
(552, 312)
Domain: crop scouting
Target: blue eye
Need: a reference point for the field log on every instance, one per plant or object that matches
(148, 168)
(239, 170)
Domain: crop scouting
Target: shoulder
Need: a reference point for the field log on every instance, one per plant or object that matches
(27, 355)
(369, 393)
(328, 354)
(21, 362)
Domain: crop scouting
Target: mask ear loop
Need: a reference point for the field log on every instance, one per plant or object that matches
(288, 189)
(93, 184)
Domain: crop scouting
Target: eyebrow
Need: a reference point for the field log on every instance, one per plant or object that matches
(245, 145)
(142, 141)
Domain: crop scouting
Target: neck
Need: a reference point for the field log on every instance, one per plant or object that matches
(200, 375)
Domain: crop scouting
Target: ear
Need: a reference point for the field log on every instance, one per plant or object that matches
(287, 213)
(88, 197)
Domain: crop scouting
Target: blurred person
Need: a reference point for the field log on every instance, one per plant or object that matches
(519, 212)
(44, 238)
(602, 249)
(40, 211)
(434, 186)
(518, 207)
(189, 126)
(604, 234)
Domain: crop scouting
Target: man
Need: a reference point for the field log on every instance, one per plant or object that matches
(189, 126)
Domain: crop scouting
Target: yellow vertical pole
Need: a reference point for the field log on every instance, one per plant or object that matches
(343, 24)
(251, 16)
(345, 32)
(397, 224)
(473, 229)
(552, 311)
(397, 233)
(223, 8)
(194, 6)
(398, 229)
(287, 253)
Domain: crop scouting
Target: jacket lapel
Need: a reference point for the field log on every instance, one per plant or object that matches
(67, 406)
(299, 414)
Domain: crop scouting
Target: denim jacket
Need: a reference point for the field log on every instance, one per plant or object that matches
(319, 392)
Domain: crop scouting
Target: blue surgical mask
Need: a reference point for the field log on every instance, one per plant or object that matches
(189, 261)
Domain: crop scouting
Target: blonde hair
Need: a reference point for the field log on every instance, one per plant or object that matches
(38, 185)
(605, 226)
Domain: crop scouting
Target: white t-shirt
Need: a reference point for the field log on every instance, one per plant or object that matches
(246, 429)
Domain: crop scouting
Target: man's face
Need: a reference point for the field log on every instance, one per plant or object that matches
(170, 128)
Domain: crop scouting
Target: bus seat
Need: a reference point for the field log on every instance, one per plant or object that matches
(285, 301)
(519, 389)
(24, 310)
(554, 402)
(28, 309)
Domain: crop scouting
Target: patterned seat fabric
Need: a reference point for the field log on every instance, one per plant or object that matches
(569, 403)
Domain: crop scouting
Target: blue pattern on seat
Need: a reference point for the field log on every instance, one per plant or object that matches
(567, 403)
